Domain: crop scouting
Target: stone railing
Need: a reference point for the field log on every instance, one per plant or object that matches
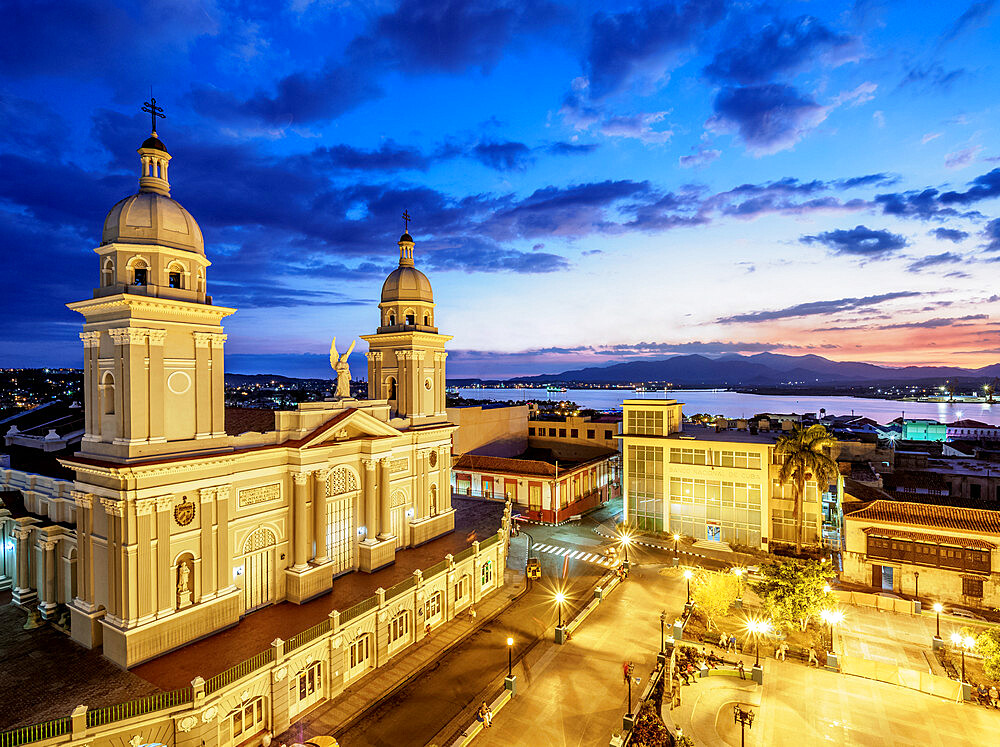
(274, 687)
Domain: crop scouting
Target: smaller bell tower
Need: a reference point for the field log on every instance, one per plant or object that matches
(406, 356)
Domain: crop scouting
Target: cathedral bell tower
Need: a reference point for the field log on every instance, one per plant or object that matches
(153, 341)
(406, 357)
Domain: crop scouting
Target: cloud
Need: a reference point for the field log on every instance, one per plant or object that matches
(768, 118)
(959, 159)
(932, 76)
(960, 321)
(948, 234)
(506, 156)
(639, 45)
(868, 180)
(637, 126)
(974, 17)
(859, 241)
(932, 203)
(570, 149)
(701, 158)
(936, 260)
(930, 136)
(813, 308)
(991, 233)
(783, 47)
(387, 157)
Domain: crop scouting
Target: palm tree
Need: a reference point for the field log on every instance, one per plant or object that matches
(951, 389)
(805, 458)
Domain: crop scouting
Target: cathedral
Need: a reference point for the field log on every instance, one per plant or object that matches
(179, 522)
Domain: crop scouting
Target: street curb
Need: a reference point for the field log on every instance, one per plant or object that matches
(428, 666)
(658, 547)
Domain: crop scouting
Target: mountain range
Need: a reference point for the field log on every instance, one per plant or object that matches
(761, 369)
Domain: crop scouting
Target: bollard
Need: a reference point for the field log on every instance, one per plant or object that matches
(832, 662)
(510, 683)
(757, 675)
(936, 643)
(561, 635)
(678, 630)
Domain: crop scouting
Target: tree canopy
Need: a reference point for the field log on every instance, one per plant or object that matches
(793, 590)
(805, 458)
(714, 593)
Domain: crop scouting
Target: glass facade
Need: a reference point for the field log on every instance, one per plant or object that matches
(737, 459)
(645, 487)
(714, 509)
(645, 422)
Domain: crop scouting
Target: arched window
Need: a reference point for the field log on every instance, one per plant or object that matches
(427, 320)
(201, 281)
(140, 272)
(486, 575)
(390, 388)
(175, 275)
(108, 273)
(411, 319)
(247, 720)
(107, 393)
(392, 320)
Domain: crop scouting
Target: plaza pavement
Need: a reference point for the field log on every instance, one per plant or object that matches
(574, 694)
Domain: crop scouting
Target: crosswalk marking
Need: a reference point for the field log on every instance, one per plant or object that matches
(573, 554)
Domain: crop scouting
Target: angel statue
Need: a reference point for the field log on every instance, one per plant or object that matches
(340, 365)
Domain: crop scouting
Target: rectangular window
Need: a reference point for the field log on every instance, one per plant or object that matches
(531, 431)
(590, 434)
(399, 627)
(461, 588)
(433, 606)
(139, 276)
(174, 280)
(552, 432)
(643, 423)
(534, 497)
(975, 490)
(972, 587)
(574, 433)
(608, 435)
(562, 433)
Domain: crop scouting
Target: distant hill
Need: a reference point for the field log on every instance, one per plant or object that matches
(762, 369)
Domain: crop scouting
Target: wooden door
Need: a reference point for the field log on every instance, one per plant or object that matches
(258, 586)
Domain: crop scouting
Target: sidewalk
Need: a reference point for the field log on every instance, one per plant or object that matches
(336, 715)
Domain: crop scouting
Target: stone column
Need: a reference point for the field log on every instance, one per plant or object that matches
(91, 380)
(385, 519)
(218, 397)
(164, 571)
(224, 558)
(113, 511)
(402, 388)
(24, 590)
(47, 603)
(129, 568)
(444, 482)
(420, 499)
(319, 515)
(420, 394)
(202, 385)
(157, 386)
(132, 387)
(440, 381)
(209, 575)
(374, 374)
(145, 510)
(371, 505)
(300, 517)
(84, 549)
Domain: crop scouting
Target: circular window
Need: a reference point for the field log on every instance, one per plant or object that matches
(428, 384)
(433, 458)
(178, 382)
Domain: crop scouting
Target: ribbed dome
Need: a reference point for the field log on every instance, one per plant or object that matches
(152, 218)
(407, 284)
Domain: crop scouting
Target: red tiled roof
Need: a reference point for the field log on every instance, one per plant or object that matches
(477, 463)
(924, 515)
(243, 419)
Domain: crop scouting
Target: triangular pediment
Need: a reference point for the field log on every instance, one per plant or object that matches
(349, 425)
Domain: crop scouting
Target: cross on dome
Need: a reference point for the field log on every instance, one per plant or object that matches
(154, 112)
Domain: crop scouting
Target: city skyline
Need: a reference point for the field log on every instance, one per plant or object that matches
(677, 178)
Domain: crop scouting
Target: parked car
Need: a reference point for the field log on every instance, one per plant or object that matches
(963, 613)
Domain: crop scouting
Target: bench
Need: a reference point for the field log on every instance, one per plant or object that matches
(473, 730)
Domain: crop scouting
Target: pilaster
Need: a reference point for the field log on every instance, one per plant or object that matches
(371, 513)
(164, 582)
(384, 504)
(156, 386)
(300, 517)
(209, 574)
(218, 367)
(319, 516)
(374, 374)
(132, 387)
(91, 407)
(202, 384)
(145, 511)
(224, 559)
(48, 602)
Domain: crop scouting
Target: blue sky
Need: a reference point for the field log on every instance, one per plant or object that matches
(589, 183)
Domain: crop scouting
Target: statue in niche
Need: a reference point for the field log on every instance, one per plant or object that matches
(343, 369)
(185, 593)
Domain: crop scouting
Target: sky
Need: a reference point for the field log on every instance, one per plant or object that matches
(589, 183)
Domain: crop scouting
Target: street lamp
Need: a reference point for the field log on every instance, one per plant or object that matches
(965, 643)
(560, 598)
(938, 608)
(831, 618)
(663, 620)
(744, 719)
(758, 628)
(739, 580)
(510, 657)
(626, 540)
(677, 538)
(687, 576)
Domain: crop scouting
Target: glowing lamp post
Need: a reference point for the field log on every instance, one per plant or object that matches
(964, 643)
(560, 598)
(687, 577)
(831, 618)
(936, 642)
(758, 628)
(677, 538)
(510, 657)
(625, 540)
(738, 572)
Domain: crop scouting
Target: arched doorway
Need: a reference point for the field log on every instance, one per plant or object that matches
(258, 569)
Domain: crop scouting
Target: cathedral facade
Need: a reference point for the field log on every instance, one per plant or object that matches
(177, 524)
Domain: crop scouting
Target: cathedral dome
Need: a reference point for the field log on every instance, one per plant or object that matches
(153, 218)
(407, 284)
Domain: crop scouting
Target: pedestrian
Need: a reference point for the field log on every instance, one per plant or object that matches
(741, 670)
(722, 641)
(472, 614)
(782, 650)
(487, 716)
(812, 657)
(427, 629)
(982, 695)
(732, 643)
(689, 673)
(625, 666)
(994, 697)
